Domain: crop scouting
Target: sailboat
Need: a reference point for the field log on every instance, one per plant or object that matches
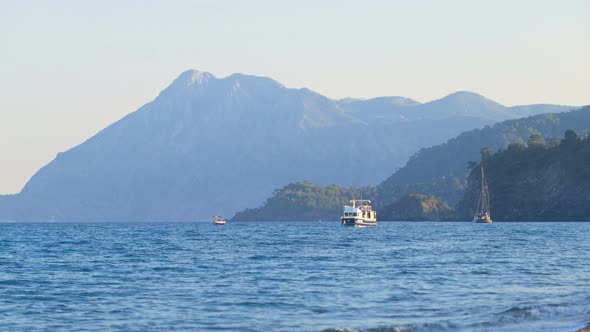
(482, 211)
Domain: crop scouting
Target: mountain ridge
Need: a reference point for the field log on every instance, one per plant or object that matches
(208, 145)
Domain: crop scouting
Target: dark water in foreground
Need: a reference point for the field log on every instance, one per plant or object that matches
(295, 277)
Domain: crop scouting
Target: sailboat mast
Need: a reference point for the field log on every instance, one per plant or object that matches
(487, 196)
(482, 185)
(485, 190)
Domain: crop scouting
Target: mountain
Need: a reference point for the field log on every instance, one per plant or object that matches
(465, 103)
(435, 169)
(536, 181)
(458, 104)
(210, 145)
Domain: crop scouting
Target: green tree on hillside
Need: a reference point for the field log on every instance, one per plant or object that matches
(536, 141)
(570, 137)
(486, 153)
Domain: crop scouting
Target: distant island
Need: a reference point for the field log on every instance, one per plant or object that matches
(304, 201)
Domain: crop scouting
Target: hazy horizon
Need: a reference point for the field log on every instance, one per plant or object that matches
(69, 69)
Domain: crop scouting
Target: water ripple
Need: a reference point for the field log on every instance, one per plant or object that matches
(294, 277)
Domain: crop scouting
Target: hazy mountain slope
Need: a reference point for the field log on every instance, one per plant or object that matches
(207, 145)
(177, 156)
(461, 104)
(530, 110)
(465, 103)
(9, 205)
(379, 110)
(458, 104)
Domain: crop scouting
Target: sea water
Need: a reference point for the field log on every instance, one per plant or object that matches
(294, 276)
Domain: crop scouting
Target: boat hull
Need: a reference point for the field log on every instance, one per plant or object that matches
(358, 222)
(483, 221)
(218, 220)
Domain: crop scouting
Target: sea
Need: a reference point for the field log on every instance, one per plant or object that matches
(295, 276)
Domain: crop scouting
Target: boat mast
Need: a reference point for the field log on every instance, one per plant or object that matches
(485, 198)
(481, 200)
(487, 193)
(482, 188)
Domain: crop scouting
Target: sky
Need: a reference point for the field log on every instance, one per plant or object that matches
(70, 68)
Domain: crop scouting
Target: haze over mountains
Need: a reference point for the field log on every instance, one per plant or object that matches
(207, 145)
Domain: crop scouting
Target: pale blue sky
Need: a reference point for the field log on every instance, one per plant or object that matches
(70, 68)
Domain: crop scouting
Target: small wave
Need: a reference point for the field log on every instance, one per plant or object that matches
(259, 257)
(10, 282)
(518, 317)
(170, 269)
(426, 327)
(516, 314)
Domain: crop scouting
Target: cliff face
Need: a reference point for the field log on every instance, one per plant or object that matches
(417, 207)
(535, 183)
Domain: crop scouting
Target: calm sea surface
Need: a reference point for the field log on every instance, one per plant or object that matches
(295, 277)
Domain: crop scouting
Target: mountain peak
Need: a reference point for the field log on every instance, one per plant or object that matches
(466, 98)
(253, 80)
(465, 94)
(193, 76)
(187, 81)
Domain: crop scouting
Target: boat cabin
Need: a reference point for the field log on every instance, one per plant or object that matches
(359, 213)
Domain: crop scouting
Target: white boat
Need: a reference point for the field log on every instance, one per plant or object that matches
(482, 211)
(359, 214)
(218, 220)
